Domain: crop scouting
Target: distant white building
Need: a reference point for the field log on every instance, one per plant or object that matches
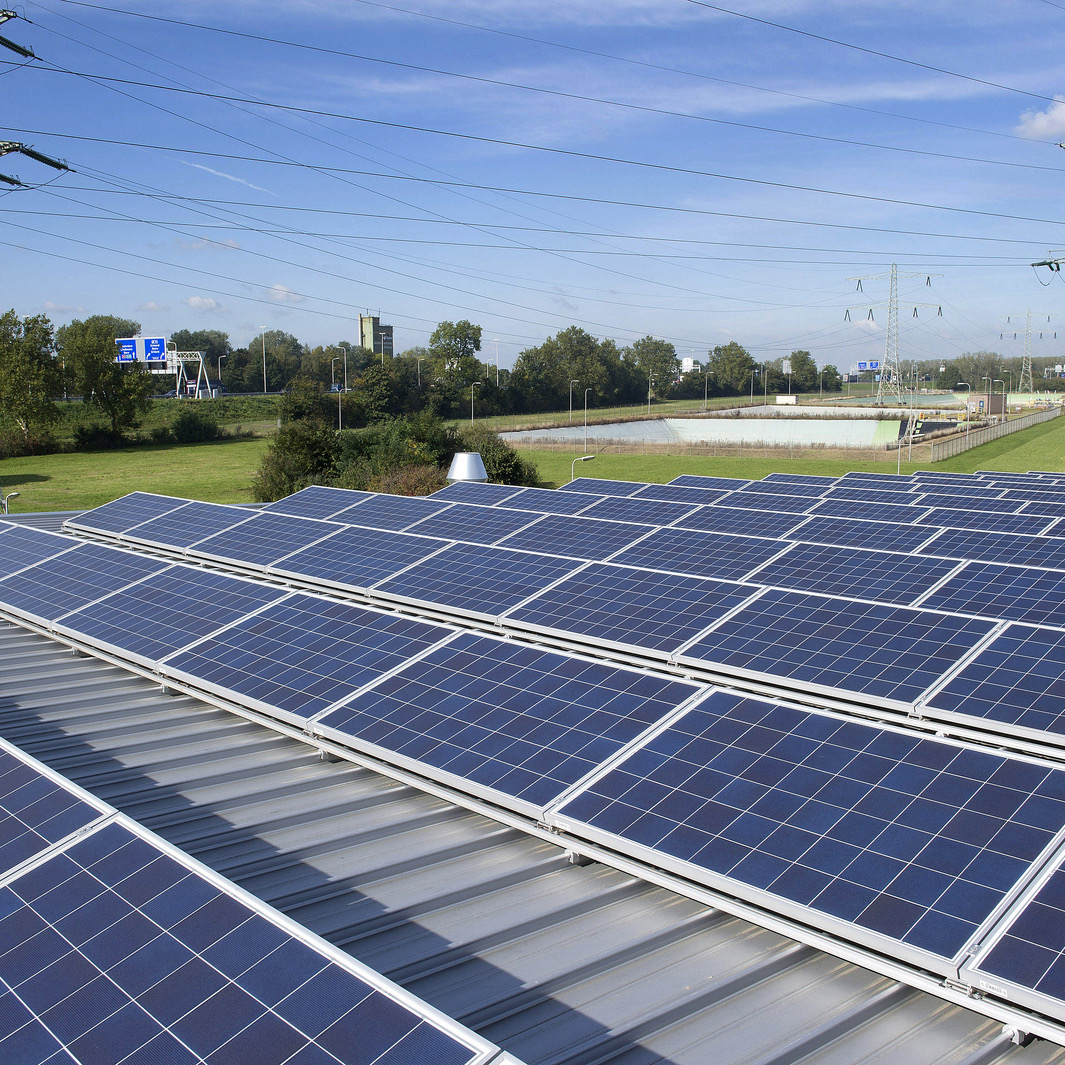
(687, 364)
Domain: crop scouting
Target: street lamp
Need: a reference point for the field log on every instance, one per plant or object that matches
(340, 414)
(472, 394)
(650, 381)
(586, 391)
(420, 361)
(332, 370)
(1006, 408)
(821, 386)
(706, 386)
(571, 384)
(968, 396)
(496, 342)
(5, 500)
(346, 348)
(220, 358)
(572, 467)
(754, 374)
(264, 360)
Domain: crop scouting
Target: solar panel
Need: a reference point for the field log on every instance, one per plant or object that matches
(699, 554)
(884, 837)
(122, 514)
(184, 525)
(880, 575)
(58, 585)
(968, 501)
(694, 480)
(576, 537)
(520, 723)
(473, 524)
(878, 482)
(768, 523)
(298, 656)
(887, 654)
(602, 486)
(548, 501)
(1034, 495)
(354, 557)
(1047, 510)
(637, 509)
(475, 492)
(846, 494)
(859, 532)
(953, 518)
(23, 547)
(901, 513)
(609, 604)
(263, 539)
(392, 513)
(799, 489)
(317, 501)
(118, 950)
(1017, 680)
(812, 479)
(466, 577)
(37, 810)
(974, 546)
(790, 504)
(678, 493)
(167, 611)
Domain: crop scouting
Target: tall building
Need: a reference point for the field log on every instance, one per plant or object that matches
(374, 336)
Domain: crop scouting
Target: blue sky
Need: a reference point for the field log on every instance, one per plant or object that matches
(696, 172)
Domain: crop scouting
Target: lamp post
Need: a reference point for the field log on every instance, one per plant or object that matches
(1006, 406)
(420, 361)
(264, 360)
(754, 374)
(496, 342)
(5, 500)
(650, 381)
(572, 467)
(586, 391)
(821, 386)
(220, 358)
(346, 348)
(968, 395)
(706, 386)
(332, 373)
(571, 384)
(472, 394)
(987, 409)
(333, 370)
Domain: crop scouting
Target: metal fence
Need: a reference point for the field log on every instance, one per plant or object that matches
(955, 445)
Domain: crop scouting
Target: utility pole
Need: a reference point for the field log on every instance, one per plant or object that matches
(10, 147)
(1025, 382)
(890, 383)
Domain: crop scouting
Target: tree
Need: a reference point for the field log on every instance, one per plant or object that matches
(804, 375)
(732, 367)
(212, 342)
(29, 374)
(658, 358)
(453, 347)
(120, 393)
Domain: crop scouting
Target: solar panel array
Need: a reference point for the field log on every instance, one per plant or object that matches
(115, 946)
(760, 613)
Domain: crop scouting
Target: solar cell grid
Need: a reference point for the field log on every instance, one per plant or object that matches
(547, 501)
(638, 509)
(767, 523)
(473, 524)
(1015, 593)
(886, 653)
(1030, 494)
(790, 504)
(65, 582)
(977, 546)
(391, 513)
(861, 532)
(466, 577)
(968, 501)
(884, 480)
(694, 480)
(801, 489)
(913, 839)
(302, 654)
(114, 951)
(985, 521)
(317, 501)
(880, 575)
(900, 513)
(1046, 510)
(473, 492)
(167, 611)
(23, 547)
(1017, 680)
(678, 493)
(122, 514)
(632, 608)
(264, 539)
(355, 557)
(812, 479)
(184, 525)
(576, 537)
(700, 554)
(847, 494)
(602, 486)
(520, 721)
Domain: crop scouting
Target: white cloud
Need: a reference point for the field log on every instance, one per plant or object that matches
(1044, 125)
(154, 307)
(59, 308)
(279, 293)
(202, 303)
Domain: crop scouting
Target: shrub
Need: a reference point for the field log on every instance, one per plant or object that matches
(15, 444)
(161, 434)
(414, 480)
(302, 453)
(97, 437)
(193, 426)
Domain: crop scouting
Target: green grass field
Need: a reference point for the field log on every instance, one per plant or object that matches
(222, 471)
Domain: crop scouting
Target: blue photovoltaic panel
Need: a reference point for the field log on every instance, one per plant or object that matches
(915, 839)
(304, 653)
(168, 611)
(1015, 593)
(391, 513)
(474, 524)
(786, 488)
(122, 514)
(727, 484)
(1018, 680)
(468, 577)
(188, 523)
(768, 523)
(475, 492)
(791, 504)
(812, 479)
(264, 539)
(115, 951)
(317, 502)
(985, 521)
(638, 509)
(35, 812)
(846, 494)
(547, 501)
(880, 575)
(679, 493)
(61, 584)
(700, 554)
(577, 537)
(901, 513)
(636, 608)
(883, 652)
(520, 720)
(602, 486)
(877, 480)
(21, 547)
(859, 532)
(968, 501)
(1034, 495)
(357, 557)
(1045, 551)
(1047, 510)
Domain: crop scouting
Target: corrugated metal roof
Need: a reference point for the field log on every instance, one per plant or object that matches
(555, 962)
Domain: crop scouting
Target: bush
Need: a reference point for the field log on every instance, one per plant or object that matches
(419, 480)
(194, 426)
(161, 434)
(16, 444)
(302, 453)
(97, 437)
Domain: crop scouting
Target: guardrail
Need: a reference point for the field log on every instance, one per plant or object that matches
(955, 445)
